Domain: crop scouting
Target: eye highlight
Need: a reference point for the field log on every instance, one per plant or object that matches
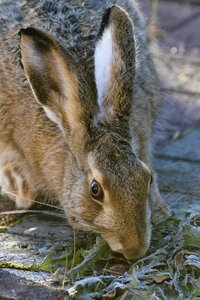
(96, 190)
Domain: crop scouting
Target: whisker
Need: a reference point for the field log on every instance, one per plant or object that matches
(86, 224)
(24, 211)
(61, 222)
(171, 164)
(178, 199)
(168, 195)
(35, 201)
(181, 197)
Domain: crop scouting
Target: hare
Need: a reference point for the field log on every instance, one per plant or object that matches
(78, 99)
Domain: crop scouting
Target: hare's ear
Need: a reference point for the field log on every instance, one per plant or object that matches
(115, 65)
(56, 82)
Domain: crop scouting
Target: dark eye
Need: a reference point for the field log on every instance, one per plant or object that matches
(96, 191)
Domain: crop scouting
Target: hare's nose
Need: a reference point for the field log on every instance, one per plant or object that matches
(134, 253)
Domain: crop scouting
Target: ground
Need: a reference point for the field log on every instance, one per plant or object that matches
(36, 247)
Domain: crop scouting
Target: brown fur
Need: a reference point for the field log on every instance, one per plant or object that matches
(81, 140)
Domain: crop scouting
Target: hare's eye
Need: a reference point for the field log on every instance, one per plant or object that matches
(96, 191)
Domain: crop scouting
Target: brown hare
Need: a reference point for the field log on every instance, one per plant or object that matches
(78, 99)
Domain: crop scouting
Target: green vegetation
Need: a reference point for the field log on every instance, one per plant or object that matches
(170, 270)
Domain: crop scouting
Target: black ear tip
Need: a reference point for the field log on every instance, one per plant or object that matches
(106, 15)
(105, 20)
(27, 31)
(40, 38)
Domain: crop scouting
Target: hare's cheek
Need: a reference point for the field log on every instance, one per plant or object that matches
(88, 209)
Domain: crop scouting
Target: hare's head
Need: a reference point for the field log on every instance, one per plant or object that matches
(106, 186)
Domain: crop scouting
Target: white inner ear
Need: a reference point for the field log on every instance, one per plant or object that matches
(102, 63)
(53, 117)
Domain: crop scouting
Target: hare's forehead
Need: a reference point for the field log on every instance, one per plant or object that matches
(116, 172)
(94, 170)
(121, 187)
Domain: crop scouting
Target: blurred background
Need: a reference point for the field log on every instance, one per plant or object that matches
(173, 28)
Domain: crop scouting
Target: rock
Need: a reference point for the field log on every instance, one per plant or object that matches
(15, 285)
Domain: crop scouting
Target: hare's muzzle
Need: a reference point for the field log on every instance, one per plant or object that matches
(134, 247)
(134, 253)
(129, 247)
